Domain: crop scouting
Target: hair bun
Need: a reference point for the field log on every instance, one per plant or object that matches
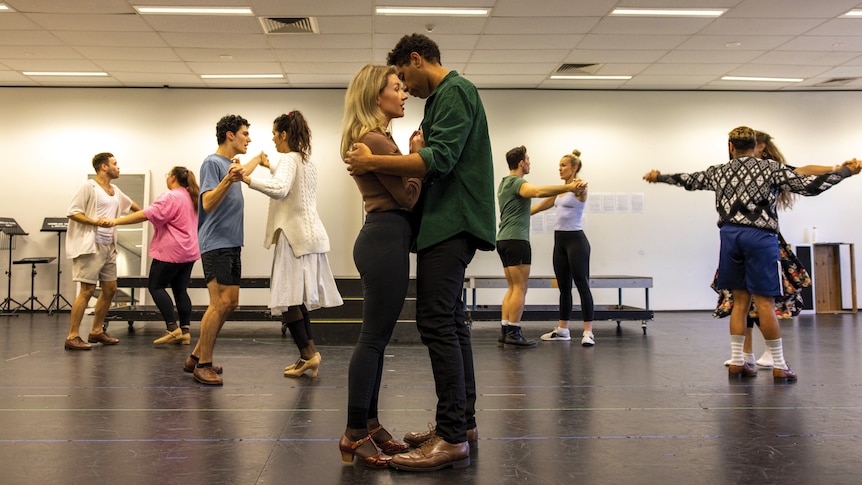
(576, 152)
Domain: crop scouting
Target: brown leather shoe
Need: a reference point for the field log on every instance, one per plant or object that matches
(416, 438)
(745, 370)
(76, 344)
(435, 454)
(207, 375)
(189, 366)
(102, 338)
(783, 374)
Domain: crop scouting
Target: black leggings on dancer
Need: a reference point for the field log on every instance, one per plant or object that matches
(176, 276)
(381, 254)
(296, 319)
(572, 263)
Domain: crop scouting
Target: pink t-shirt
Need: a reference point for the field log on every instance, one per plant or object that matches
(175, 239)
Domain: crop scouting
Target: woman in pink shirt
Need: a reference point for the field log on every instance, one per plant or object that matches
(174, 250)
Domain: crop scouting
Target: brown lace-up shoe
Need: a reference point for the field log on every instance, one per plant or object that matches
(190, 363)
(206, 375)
(783, 374)
(416, 438)
(434, 454)
(745, 370)
(76, 344)
(102, 338)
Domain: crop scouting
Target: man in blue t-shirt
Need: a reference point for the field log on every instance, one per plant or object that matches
(220, 235)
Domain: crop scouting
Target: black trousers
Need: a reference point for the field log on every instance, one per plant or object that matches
(572, 263)
(176, 276)
(440, 318)
(382, 256)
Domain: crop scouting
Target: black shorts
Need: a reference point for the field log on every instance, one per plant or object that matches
(514, 252)
(224, 265)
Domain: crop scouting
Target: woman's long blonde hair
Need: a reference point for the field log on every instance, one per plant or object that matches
(361, 114)
(786, 199)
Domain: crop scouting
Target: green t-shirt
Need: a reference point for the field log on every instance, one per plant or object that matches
(458, 191)
(514, 210)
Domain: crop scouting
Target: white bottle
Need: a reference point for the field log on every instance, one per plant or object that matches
(814, 235)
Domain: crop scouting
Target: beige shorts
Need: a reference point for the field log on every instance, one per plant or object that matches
(96, 267)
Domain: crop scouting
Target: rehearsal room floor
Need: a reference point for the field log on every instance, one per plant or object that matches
(654, 408)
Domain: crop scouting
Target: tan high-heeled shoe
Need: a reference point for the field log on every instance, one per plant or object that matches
(302, 365)
(348, 452)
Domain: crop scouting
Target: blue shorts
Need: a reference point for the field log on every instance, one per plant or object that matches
(224, 265)
(749, 260)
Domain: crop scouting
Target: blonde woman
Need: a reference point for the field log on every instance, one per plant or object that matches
(571, 252)
(381, 254)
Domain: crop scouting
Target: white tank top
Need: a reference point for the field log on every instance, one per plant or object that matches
(569, 213)
(106, 206)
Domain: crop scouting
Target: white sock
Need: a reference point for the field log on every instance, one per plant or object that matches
(504, 323)
(562, 331)
(748, 358)
(777, 351)
(514, 324)
(736, 343)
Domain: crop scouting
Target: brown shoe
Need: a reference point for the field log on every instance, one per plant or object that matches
(416, 438)
(745, 370)
(390, 446)
(433, 455)
(190, 363)
(207, 375)
(76, 344)
(783, 374)
(102, 338)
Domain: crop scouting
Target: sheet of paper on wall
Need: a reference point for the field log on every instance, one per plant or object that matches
(623, 202)
(638, 203)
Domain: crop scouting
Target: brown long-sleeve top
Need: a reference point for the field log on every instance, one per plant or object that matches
(381, 192)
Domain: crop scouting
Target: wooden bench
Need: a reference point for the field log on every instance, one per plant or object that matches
(618, 312)
(350, 312)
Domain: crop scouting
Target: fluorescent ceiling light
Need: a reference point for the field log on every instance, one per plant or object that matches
(853, 13)
(195, 10)
(669, 12)
(242, 76)
(56, 73)
(589, 78)
(5, 8)
(479, 12)
(763, 79)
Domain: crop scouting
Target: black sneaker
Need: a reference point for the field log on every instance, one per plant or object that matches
(514, 339)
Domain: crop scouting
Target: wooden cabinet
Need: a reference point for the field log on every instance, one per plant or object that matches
(829, 262)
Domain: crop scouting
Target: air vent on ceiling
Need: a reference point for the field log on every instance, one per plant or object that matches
(579, 68)
(838, 81)
(283, 25)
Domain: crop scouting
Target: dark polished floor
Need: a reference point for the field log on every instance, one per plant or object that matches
(641, 409)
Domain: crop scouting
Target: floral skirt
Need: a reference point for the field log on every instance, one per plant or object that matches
(794, 278)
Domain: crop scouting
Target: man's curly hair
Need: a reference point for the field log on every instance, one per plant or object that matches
(418, 43)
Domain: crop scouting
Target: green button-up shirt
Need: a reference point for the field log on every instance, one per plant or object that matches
(458, 191)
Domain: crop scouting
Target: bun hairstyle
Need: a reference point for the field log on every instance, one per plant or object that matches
(574, 159)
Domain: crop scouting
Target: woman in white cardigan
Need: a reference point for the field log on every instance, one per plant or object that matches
(301, 278)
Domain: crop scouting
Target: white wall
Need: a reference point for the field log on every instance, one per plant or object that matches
(52, 134)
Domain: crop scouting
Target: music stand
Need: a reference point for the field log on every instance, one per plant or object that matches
(58, 225)
(11, 228)
(33, 300)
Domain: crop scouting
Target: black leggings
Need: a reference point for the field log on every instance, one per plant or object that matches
(381, 254)
(176, 276)
(572, 263)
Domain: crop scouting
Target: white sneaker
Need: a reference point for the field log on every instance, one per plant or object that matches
(765, 360)
(561, 334)
(588, 339)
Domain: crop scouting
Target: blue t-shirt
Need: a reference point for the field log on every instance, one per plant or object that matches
(223, 227)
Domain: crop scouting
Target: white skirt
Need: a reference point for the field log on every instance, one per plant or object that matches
(306, 279)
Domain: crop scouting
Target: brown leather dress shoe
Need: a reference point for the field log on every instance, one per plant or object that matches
(76, 344)
(783, 374)
(435, 454)
(206, 375)
(416, 438)
(102, 338)
(189, 366)
(745, 370)
(350, 450)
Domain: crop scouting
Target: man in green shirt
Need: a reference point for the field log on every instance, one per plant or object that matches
(452, 152)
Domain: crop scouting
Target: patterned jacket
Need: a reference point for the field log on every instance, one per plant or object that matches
(747, 188)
